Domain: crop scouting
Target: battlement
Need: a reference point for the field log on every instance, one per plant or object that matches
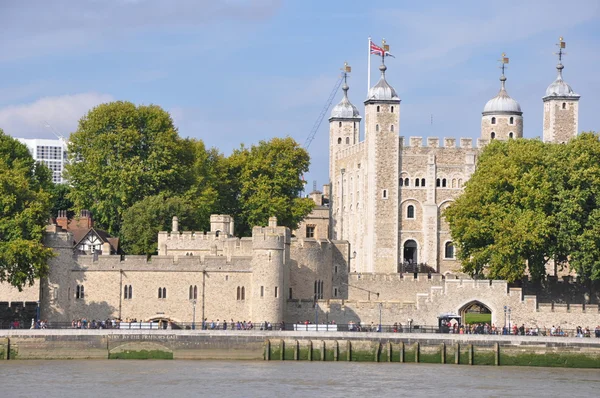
(349, 151)
(58, 239)
(192, 235)
(163, 263)
(448, 143)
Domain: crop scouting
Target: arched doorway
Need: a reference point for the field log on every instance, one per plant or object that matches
(475, 312)
(410, 252)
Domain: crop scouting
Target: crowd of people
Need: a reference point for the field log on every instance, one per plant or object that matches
(240, 325)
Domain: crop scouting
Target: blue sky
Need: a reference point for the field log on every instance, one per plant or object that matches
(234, 71)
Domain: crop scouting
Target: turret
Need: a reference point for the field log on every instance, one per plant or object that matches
(344, 123)
(561, 106)
(270, 248)
(382, 120)
(502, 118)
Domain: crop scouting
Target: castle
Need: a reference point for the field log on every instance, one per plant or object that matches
(349, 261)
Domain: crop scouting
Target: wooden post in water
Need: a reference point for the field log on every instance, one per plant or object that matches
(443, 352)
(282, 347)
(402, 352)
(310, 349)
(348, 350)
(389, 349)
(296, 350)
(323, 350)
(470, 354)
(377, 351)
(457, 353)
(268, 350)
(497, 354)
(336, 351)
(417, 348)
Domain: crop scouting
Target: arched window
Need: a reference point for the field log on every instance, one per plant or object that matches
(392, 109)
(243, 293)
(195, 292)
(376, 127)
(417, 182)
(410, 252)
(564, 106)
(377, 108)
(449, 250)
(460, 182)
(347, 140)
(422, 182)
(438, 182)
(125, 292)
(191, 295)
(79, 293)
(443, 183)
(406, 182)
(340, 125)
(401, 182)
(511, 135)
(410, 211)
(239, 293)
(392, 128)
(493, 135)
(130, 292)
(454, 183)
(160, 293)
(512, 120)
(339, 140)
(493, 120)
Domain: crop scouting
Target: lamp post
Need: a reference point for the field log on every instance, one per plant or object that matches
(316, 313)
(508, 320)
(194, 314)
(37, 313)
(505, 309)
(380, 305)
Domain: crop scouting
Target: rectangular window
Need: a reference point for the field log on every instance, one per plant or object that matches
(262, 291)
(276, 292)
(335, 292)
(291, 293)
(335, 269)
(310, 231)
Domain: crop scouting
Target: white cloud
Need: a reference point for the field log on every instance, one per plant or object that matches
(61, 112)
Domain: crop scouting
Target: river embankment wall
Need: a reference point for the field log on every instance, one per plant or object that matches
(312, 346)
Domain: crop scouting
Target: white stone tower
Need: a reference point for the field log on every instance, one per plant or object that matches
(344, 124)
(561, 106)
(502, 118)
(382, 121)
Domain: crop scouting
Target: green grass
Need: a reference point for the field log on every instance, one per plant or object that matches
(472, 317)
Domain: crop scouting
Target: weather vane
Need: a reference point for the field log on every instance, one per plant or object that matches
(561, 45)
(503, 62)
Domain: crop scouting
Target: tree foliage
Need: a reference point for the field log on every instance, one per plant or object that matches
(143, 220)
(527, 203)
(265, 180)
(24, 210)
(121, 154)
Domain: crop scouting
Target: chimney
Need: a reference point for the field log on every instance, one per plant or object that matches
(175, 227)
(105, 248)
(272, 222)
(61, 219)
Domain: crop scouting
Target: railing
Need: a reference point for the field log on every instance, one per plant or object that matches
(310, 327)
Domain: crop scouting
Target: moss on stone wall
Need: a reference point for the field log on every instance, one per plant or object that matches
(143, 354)
(563, 360)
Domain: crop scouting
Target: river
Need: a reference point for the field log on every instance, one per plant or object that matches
(224, 379)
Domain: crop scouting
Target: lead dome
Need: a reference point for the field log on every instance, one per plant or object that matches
(560, 88)
(345, 109)
(382, 91)
(502, 103)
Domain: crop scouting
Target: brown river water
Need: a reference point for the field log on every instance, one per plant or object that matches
(224, 379)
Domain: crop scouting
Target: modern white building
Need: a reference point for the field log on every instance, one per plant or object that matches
(53, 153)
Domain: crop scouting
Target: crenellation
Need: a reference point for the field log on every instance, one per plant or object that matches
(449, 142)
(466, 143)
(433, 142)
(416, 142)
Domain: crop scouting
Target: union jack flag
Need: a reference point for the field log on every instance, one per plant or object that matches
(375, 49)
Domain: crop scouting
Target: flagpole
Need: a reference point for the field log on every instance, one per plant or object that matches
(369, 66)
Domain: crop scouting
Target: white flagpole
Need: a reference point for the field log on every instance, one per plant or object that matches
(369, 66)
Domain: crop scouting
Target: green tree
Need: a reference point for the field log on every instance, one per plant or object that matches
(60, 199)
(264, 181)
(143, 220)
(527, 203)
(120, 154)
(24, 205)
